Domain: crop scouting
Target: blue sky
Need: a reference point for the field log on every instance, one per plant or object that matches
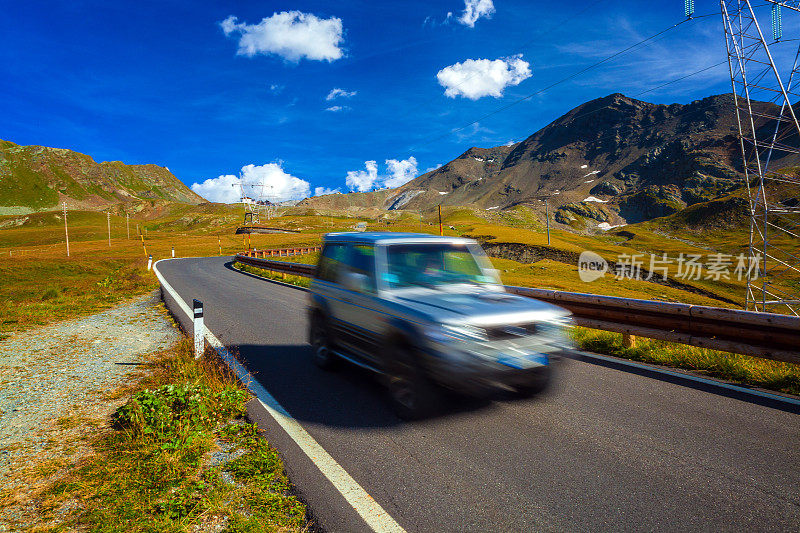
(164, 82)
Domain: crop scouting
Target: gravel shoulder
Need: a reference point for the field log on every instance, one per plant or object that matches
(55, 379)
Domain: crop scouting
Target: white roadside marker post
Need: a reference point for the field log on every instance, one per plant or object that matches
(173, 251)
(199, 329)
(66, 230)
(149, 262)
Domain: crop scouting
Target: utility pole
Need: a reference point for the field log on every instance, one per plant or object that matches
(767, 69)
(108, 220)
(66, 231)
(128, 225)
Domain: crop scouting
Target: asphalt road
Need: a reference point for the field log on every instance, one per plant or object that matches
(606, 449)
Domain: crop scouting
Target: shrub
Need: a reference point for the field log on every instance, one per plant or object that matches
(51, 294)
(176, 411)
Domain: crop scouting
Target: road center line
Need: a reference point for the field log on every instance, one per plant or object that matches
(366, 506)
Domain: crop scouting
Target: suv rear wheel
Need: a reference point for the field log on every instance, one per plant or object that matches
(411, 393)
(321, 345)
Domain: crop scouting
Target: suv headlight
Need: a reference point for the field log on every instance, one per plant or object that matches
(446, 333)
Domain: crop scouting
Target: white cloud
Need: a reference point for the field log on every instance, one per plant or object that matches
(432, 22)
(276, 88)
(360, 180)
(435, 167)
(475, 9)
(337, 92)
(401, 172)
(476, 78)
(278, 185)
(337, 108)
(292, 35)
(319, 191)
(223, 189)
(398, 172)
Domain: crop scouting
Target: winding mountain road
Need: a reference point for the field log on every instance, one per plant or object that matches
(606, 449)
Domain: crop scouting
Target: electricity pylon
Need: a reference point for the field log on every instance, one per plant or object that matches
(255, 208)
(766, 70)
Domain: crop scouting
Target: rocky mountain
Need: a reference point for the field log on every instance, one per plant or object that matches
(36, 178)
(610, 161)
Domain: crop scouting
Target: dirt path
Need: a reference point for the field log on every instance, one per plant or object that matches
(53, 374)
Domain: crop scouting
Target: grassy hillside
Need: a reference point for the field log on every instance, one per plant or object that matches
(34, 178)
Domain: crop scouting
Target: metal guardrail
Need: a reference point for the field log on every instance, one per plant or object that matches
(766, 335)
(297, 269)
(282, 252)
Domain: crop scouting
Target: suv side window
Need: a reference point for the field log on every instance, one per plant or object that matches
(362, 261)
(331, 262)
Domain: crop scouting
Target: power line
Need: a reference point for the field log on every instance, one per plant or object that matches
(676, 80)
(680, 79)
(676, 115)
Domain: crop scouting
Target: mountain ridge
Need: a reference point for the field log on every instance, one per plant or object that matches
(612, 160)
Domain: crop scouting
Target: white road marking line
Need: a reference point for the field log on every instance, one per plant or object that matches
(372, 513)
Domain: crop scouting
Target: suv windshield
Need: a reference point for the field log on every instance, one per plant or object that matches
(435, 264)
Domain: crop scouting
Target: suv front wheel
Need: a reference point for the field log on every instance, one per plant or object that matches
(321, 344)
(411, 393)
(539, 382)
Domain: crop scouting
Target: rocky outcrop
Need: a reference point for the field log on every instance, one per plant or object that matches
(574, 212)
(606, 188)
(651, 202)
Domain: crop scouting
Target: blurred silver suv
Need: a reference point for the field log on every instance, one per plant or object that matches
(423, 310)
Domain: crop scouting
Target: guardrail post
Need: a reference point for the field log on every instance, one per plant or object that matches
(628, 340)
(149, 262)
(199, 329)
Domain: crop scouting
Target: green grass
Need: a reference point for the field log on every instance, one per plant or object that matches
(743, 369)
(150, 470)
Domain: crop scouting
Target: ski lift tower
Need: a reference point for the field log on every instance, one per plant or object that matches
(764, 68)
(257, 204)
